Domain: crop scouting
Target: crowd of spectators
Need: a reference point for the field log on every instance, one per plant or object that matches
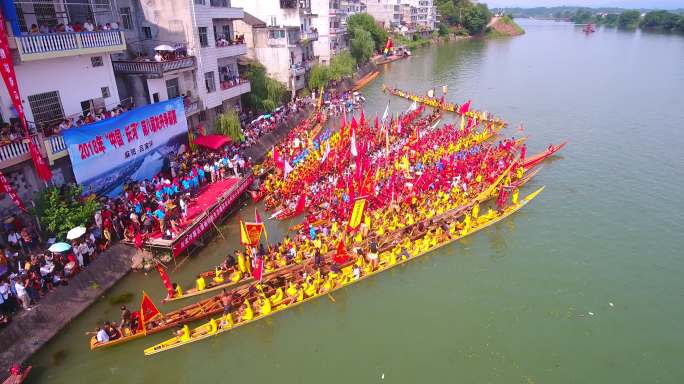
(87, 26)
(254, 127)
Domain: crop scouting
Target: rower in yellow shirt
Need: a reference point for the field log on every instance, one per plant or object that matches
(476, 210)
(200, 284)
(247, 314)
(218, 275)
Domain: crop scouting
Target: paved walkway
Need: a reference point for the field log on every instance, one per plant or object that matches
(30, 330)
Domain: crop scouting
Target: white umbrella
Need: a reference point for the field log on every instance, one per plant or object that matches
(75, 233)
(164, 47)
(59, 247)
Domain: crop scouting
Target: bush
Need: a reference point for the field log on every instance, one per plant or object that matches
(228, 124)
(61, 209)
(342, 65)
(443, 30)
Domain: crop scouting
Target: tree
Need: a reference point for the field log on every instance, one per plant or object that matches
(319, 76)
(680, 24)
(629, 19)
(475, 18)
(367, 23)
(361, 45)
(228, 124)
(659, 20)
(581, 16)
(267, 93)
(342, 65)
(61, 209)
(442, 29)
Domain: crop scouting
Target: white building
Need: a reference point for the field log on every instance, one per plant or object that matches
(203, 66)
(387, 13)
(280, 35)
(60, 75)
(423, 14)
(332, 28)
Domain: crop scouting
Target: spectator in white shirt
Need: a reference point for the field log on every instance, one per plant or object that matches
(22, 295)
(88, 26)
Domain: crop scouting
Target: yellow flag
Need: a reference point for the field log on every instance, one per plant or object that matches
(357, 214)
(244, 237)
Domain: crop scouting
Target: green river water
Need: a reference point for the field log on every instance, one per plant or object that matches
(525, 301)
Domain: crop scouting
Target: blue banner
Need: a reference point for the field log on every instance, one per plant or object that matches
(135, 145)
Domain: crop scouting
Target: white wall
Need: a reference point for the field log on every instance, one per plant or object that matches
(74, 78)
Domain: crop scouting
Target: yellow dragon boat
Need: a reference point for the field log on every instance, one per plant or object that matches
(225, 324)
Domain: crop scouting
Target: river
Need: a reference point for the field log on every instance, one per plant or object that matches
(583, 285)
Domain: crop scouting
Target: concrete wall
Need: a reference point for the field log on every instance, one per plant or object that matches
(63, 75)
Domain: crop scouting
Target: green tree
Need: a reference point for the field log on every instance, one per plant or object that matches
(442, 29)
(361, 45)
(475, 18)
(629, 19)
(267, 93)
(319, 76)
(680, 24)
(60, 210)
(228, 124)
(367, 23)
(659, 20)
(342, 65)
(582, 16)
(611, 19)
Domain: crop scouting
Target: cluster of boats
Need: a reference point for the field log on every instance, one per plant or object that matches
(423, 186)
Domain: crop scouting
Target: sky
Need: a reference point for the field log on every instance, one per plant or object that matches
(659, 4)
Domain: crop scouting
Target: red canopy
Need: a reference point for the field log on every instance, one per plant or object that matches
(212, 142)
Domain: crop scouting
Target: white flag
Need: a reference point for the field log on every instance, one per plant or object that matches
(385, 114)
(327, 151)
(431, 93)
(413, 106)
(353, 150)
(288, 168)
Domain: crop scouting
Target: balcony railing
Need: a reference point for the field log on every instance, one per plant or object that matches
(220, 3)
(298, 69)
(231, 50)
(55, 147)
(15, 152)
(309, 36)
(153, 68)
(36, 47)
(228, 90)
(338, 31)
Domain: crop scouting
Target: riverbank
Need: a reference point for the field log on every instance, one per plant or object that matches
(30, 330)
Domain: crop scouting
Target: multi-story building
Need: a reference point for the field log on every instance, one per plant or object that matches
(280, 35)
(386, 12)
(423, 14)
(61, 51)
(332, 28)
(352, 7)
(183, 48)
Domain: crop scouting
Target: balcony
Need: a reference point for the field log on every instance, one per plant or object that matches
(228, 50)
(308, 36)
(279, 42)
(53, 45)
(18, 151)
(153, 68)
(192, 106)
(231, 90)
(338, 31)
(217, 9)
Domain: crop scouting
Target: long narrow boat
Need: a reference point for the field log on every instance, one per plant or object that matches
(19, 377)
(538, 158)
(215, 327)
(193, 312)
(362, 82)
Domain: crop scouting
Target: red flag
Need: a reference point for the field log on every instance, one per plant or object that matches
(6, 187)
(343, 122)
(300, 204)
(254, 231)
(257, 271)
(363, 117)
(257, 217)
(341, 255)
(165, 280)
(148, 310)
(354, 124)
(277, 158)
(376, 122)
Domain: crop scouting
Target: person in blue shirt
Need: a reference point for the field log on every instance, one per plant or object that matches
(312, 233)
(186, 184)
(200, 173)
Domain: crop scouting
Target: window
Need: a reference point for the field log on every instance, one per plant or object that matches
(210, 82)
(172, 89)
(147, 32)
(126, 19)
(96, 61)
(203, 36)
(226, 32)
(105, 92)
(46, 107)
(200, 2)
(276, 34)
(155, 97)
(202, 115)
(45, 14)
(273, 21)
